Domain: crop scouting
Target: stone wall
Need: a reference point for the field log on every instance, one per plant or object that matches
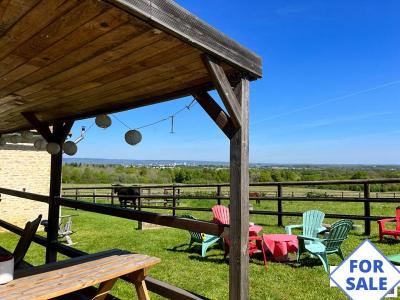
(23, 168)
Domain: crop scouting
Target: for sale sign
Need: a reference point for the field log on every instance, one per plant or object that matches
(366, 274)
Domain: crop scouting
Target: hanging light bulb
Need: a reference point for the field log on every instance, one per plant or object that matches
(53, 148)
(70, 148)
(103, 121)
(133, 137)
(40, 144)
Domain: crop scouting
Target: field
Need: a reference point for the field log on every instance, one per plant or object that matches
(209, 276)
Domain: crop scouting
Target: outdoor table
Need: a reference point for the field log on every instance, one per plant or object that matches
(64, 277)
(280, 245)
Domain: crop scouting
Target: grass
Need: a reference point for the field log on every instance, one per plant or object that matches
(209, 276)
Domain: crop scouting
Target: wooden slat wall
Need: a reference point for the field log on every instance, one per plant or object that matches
(64, 59)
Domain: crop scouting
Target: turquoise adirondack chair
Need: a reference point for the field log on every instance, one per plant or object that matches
(324, 247)
(312, 223)
(206, 240)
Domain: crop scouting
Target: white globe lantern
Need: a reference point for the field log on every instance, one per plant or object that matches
(53, 148)
(103, 121)
(70, 148)
(133, 137)
(40, 144)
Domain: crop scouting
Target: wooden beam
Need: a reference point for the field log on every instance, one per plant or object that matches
(224, 90)
(60, 132)
(172, 18)
(239, 204)
(41, 128)
(220, 117)
(144, 216)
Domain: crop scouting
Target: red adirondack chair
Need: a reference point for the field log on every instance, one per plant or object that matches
(385, 231)
(221, 216)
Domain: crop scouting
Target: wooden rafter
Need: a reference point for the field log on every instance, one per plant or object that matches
(220, 117)
(44, 130)
(224, 89)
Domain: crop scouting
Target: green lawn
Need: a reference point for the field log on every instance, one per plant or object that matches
(209, 276)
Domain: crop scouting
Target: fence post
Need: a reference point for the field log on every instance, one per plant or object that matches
(94, 196)
(280, 223)
(112, 197)
(140, 223)
(76, 194)
(367, 208)
(173, 200)
(219, 194)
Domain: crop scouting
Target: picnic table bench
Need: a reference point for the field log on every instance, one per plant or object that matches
(80, 274)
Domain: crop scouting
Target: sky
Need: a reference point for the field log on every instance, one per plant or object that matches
(330, 91)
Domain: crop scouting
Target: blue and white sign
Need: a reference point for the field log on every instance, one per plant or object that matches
(366, 274)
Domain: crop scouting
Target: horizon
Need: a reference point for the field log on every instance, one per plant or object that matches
(215, 162)
(330, 93)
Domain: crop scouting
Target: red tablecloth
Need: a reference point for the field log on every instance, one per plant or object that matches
(280, 244)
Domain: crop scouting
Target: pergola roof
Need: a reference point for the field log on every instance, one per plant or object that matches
(73, 59)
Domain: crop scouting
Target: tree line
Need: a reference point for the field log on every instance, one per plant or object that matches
(110, 174)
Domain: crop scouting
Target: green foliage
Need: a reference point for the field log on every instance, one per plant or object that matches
(108, 174)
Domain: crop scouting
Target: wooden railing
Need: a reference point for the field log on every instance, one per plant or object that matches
(159, 287)
(154, 194)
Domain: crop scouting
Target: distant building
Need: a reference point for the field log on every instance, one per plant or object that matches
(23, 168)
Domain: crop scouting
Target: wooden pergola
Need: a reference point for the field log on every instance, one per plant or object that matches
(61, 61)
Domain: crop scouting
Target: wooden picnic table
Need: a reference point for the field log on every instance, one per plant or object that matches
(76, 274)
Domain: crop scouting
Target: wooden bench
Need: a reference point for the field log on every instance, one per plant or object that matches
(81, 273)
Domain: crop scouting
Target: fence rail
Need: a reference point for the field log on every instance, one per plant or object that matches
(169, 197)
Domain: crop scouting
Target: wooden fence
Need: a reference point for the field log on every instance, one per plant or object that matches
(159, 287)
(168, 197)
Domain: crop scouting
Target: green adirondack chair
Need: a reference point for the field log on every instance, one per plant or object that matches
(312, 224)
(324, 247)
(206, 240)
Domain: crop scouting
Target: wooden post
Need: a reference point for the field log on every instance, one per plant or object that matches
(173, 201)
(59, 134)
(367, 209)
(280, 223)
(76, 194)
(140, 223)
(94, 196)
(219, 194)
(112, 197)
(54, 208)
(239, 202)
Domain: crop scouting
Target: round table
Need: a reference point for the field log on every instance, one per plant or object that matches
(280, 245)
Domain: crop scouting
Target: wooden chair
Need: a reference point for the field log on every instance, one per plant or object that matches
(25, 240)
(383, 230)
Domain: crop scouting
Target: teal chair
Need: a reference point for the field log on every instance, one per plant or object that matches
(312, 224)
(324, 247)
(206, 240)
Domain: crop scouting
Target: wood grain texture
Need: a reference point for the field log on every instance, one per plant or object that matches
(224, 90)
(239, 204)
(73, 275)
(72, 59)
(216, 113)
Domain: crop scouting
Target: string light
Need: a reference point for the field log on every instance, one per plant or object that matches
(168, 118)
(132, 136)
